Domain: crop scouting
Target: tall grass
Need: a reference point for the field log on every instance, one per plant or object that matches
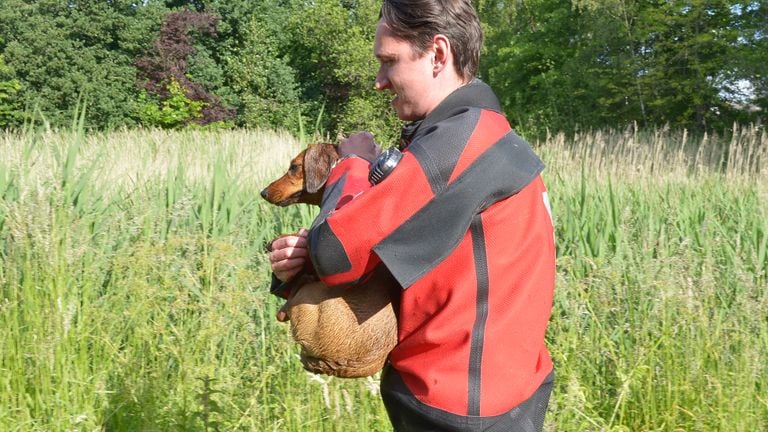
(133, 285)
(133, 288)
(661, 310)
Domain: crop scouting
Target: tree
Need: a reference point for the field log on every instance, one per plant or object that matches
(339, 76)
(61, 50)
(11, 113)
(263, 80)
(746, 79)
(539, 64)
(168, 63)
(555, 65)
(687, 45)
(598, 63)
(263, 84)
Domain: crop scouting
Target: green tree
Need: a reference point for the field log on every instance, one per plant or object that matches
(687, 46)
(331, 48)
(746, 77)
(11, 111)
(537, 60)
(61, 50)
(279, 64)
(598, 63)
(263, 80)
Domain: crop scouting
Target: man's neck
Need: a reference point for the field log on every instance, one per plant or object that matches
(475, 94)
(443, 86)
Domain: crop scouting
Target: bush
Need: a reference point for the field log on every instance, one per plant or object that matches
(176, 111)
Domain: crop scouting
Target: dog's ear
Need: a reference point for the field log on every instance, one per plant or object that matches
(318, 160)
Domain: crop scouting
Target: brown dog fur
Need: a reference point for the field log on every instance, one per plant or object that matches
(343, 331)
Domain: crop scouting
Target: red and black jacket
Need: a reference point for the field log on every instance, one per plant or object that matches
(462, 223)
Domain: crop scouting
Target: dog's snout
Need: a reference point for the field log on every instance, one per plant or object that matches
(264, 193)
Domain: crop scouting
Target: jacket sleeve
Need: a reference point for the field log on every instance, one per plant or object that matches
(354, 217)
(416, 217)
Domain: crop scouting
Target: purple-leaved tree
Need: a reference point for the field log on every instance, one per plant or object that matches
(168, 60)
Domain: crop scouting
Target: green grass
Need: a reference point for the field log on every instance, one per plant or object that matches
(133, 286)
(661, 309)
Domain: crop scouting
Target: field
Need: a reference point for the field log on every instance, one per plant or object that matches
(133, 285)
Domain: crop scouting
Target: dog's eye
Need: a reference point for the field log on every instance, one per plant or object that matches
(293, 168)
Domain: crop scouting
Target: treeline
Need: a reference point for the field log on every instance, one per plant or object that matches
(299, 64)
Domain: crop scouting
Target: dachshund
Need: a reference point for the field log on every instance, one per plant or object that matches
(304, 181)
(346, 332)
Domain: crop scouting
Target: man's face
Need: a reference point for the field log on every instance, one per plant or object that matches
(405, 73)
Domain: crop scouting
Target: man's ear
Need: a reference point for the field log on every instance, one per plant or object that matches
(318, 160)
(442, 52)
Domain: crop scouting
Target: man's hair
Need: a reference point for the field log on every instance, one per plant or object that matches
(417, 22)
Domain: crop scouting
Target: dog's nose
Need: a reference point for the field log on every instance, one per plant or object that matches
(264, 193)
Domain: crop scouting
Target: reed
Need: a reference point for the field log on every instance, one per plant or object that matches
(660, 311)
(133, 285)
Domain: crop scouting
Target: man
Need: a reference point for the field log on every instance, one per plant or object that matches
(462, 223)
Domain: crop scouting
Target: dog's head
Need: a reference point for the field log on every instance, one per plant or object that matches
(305, 180)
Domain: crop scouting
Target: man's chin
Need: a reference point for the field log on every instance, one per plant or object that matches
(409, 117)
(405, 114)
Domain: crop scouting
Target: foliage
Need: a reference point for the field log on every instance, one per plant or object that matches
(558, 66)
(690, 42)
(176, 111)
(60, 50)
(698, 64)
(264, 81)
(339, 76)
(169, 59)
(10, 108)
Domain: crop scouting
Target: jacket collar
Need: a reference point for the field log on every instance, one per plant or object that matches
(475, 94)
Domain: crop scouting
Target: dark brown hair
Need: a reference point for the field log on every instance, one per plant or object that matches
(421, 20)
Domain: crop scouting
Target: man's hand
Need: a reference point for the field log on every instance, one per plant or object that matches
(288, 254)
(360, 144)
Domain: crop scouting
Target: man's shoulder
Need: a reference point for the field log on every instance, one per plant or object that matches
(456, 128)
(447, 147)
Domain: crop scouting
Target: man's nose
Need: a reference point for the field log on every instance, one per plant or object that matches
(381, 83)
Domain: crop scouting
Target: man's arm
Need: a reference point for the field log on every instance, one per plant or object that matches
(354, 217)
(416, 217)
